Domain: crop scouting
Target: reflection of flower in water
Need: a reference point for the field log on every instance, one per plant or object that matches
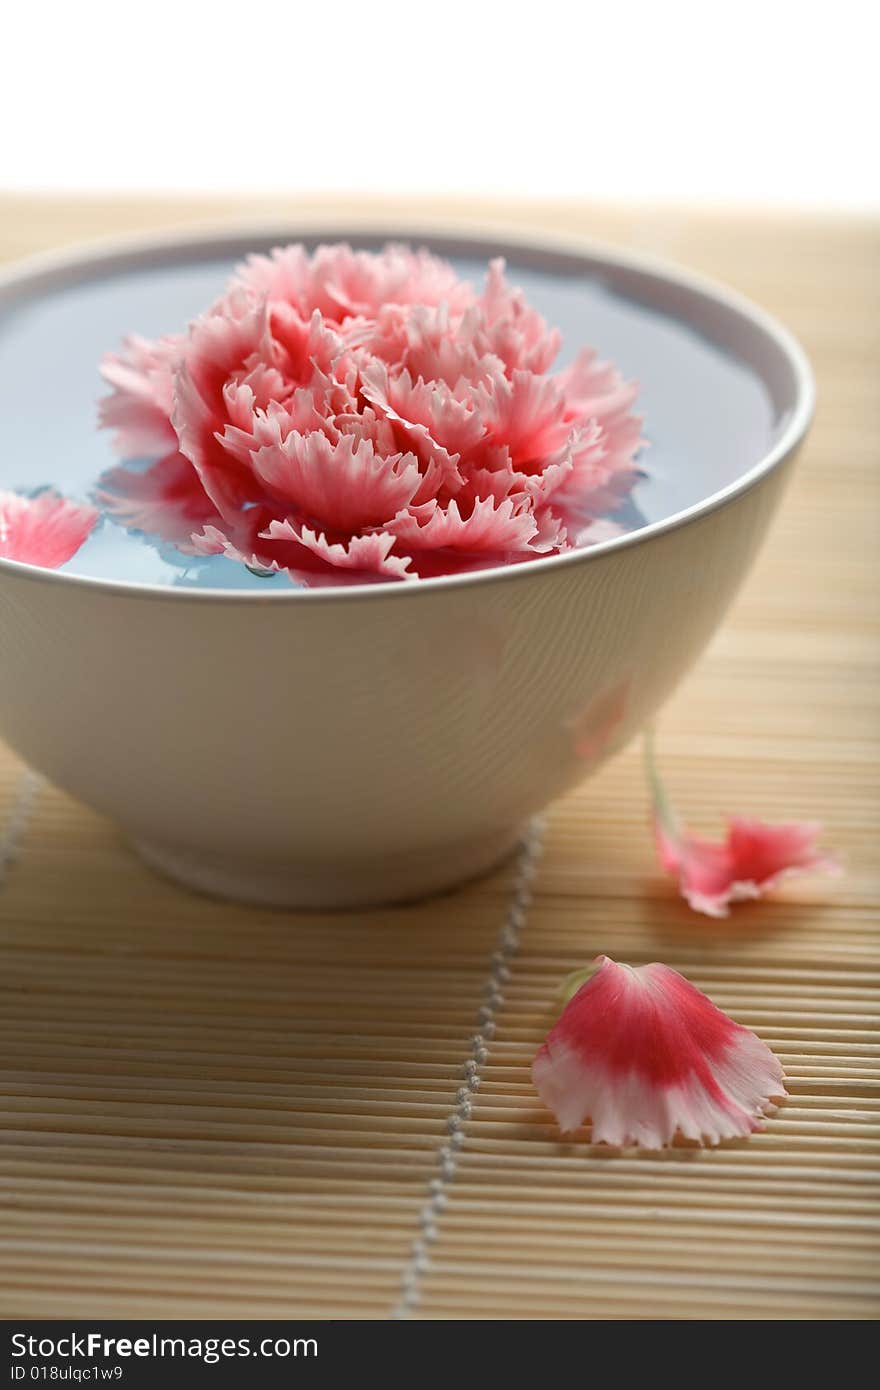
(348, 415)
(44, 530)
(593, 731)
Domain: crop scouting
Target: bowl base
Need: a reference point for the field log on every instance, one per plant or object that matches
(328, 887)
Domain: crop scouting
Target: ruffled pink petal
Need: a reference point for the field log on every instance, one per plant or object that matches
(525, 413)
(360, 283)
(752, 859)
(435, 347)
(399, 403)
(218, 346)
(368, 556)
(603, 471)
(608, 438)
(429, 410)
(595, 390)
(491, 526)
(166, 500)
(341, 283)
(303, 347)
(267, 544)
(646, 1056)
(515, 333)
(139, 408)
(283, 276)
(344, 484)
(217, 540)
(45, 530)
(251, 428)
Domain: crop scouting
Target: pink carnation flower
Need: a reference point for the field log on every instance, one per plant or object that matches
(752, 859)
(349, 415)
(645, 1055)
(45, 530)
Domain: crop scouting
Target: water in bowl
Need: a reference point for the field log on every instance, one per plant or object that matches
(708, 416)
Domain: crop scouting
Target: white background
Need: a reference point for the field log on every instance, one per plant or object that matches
(767, 102)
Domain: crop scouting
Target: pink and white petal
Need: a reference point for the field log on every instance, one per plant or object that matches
(140, 430)
(251, 428)
(498, 483)
(219, 348)
(439, 467)
(537, 491)
(438, 349)
(752, 858)
(491, 526)
(219, 345)
(344, 483)
(303, 347)
(214, 540)
(139, 408)
(283, 276)
(525, 413)
(595, 390)
(766, 853)
(646, 1056)
(359, 283)
(551, 536)
(604, 470)
(453, 424)
(515, 332)
(200, 428)
(366, 555)
(46, 530)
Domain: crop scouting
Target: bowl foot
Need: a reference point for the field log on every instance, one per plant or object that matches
(328, 886)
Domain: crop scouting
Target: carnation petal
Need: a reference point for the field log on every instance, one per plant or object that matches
(282, 276)
(514, 332)
(752, 858)
(491, 526)
(139, 407)
(401, 403)
(645, 1056)
(45, 530)
(344, 483)
(525, 412)
(218, 345)
(367, 555)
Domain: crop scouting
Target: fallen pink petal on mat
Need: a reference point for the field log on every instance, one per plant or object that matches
(752, 859)
(645, 1055)
(44, 530)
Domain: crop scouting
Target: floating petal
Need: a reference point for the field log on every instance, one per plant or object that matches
(45, 530)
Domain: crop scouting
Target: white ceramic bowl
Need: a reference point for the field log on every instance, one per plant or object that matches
(351, 746)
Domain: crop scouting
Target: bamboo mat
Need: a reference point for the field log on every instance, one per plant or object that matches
(209, 1110)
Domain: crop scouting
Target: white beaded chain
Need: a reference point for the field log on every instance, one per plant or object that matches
(29, 785)
(448, 1155)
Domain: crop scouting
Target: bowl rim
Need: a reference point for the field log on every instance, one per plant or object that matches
(74, 262)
